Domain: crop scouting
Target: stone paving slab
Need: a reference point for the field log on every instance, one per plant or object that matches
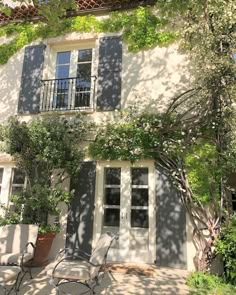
(163, 282)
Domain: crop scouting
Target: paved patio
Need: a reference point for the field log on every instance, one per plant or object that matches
(163, 281)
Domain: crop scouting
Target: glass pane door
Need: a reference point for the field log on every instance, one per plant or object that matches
(125, 206)
(111, 203)
(139, 198)
(83, 80)
(139, 231)
(61, 86)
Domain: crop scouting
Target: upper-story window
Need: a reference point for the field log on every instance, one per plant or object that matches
(72, 86)
(74, 72)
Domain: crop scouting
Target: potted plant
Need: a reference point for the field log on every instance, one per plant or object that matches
(47, 151)
(33, 206)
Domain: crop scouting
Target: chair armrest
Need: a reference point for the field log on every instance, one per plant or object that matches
(31, 244)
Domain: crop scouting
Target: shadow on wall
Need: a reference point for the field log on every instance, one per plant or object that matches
(151, 78)
(171, 224)
(10, 74)
(80, 215)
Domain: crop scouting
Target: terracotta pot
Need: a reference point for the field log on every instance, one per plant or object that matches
(43, 247)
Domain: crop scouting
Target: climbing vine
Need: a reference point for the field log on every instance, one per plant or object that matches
(136, 138)
(158, 136)
(141, 29)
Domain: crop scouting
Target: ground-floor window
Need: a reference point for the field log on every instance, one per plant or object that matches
(233, 199)
(18, 181)
(12, 181)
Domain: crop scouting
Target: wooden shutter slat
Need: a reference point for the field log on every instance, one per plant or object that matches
(109, 73)
(32, 70)
(171, 224)
(80, 214)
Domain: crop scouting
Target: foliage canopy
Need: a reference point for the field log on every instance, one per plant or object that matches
(47, 150)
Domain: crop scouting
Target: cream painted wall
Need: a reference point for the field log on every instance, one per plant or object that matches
(10, 74)
(191, 250)
(149, 78)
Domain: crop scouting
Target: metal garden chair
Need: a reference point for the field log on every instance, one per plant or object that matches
(81, 268)
(17, 243)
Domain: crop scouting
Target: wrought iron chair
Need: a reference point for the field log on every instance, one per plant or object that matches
(17, 243)
(81, 268)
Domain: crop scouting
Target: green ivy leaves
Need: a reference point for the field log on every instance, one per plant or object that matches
(226, 246)
(141, 29)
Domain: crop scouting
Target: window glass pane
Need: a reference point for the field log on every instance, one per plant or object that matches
(63, 57)
(1, 175)
(112, 176)
(233, 195)
(234, 206)
(82, 99)
(16, 190)
(19, 177)
(111, 217)
(139, 218)
(62, 84)
(84, 71)
(139, 197)
(139, 176)
(83, 84)
(61, 99)
(84, 55)
(62, 72)
(112, 196)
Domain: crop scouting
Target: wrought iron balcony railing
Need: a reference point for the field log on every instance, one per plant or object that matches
(67, 94)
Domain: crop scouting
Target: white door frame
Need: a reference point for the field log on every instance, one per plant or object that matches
(124, 253)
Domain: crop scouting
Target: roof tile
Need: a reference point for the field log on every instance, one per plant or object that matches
(30, 12)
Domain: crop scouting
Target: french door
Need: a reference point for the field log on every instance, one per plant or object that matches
(125, 203)
(73, 78)
(71, 81)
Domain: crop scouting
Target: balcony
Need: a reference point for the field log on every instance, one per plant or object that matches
(67, 94)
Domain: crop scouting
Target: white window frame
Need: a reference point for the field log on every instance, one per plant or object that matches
(6, 187)
(16, 185)
(132, 256)
(50, 65)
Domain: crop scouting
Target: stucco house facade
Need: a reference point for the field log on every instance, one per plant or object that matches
(96, 74)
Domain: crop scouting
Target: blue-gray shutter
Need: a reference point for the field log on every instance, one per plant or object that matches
(109, 73)
(29, 99)
(81, 211)
(171, 224)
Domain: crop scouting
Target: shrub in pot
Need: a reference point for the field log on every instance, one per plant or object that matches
(47, 151)
(34, 207)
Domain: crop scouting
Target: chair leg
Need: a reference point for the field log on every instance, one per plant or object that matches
(20, 278)
(30, 272)
(13, 287)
